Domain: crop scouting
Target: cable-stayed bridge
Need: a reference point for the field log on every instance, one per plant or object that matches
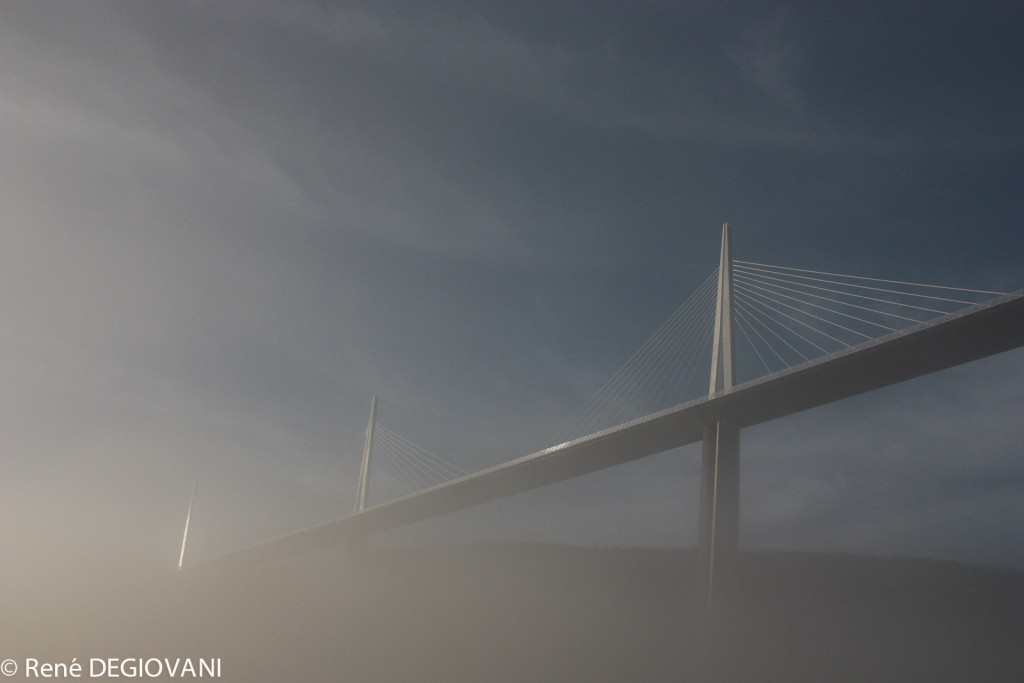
(815, 338)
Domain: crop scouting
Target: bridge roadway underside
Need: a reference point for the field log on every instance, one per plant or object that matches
(980, 331)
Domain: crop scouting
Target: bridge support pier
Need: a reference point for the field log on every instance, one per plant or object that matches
(719, 522)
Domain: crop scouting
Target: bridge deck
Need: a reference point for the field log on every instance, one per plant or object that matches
(975, 332)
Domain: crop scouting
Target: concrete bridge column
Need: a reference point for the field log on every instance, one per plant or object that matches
(719, 522)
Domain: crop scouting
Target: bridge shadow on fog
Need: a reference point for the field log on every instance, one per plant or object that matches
(521, 612)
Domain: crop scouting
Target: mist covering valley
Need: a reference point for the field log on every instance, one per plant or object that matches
(538, 612)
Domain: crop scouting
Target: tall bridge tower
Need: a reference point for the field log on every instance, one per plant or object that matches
(364, 470)
(719, 521)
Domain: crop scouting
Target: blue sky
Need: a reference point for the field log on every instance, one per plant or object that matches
(227, 225)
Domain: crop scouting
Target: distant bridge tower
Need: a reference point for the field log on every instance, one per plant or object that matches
(364, 471)
(719, 521)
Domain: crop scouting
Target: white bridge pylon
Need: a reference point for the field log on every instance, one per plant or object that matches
(718, 529)
(364, 470)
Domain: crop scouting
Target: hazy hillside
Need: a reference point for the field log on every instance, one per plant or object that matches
(550, 613)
